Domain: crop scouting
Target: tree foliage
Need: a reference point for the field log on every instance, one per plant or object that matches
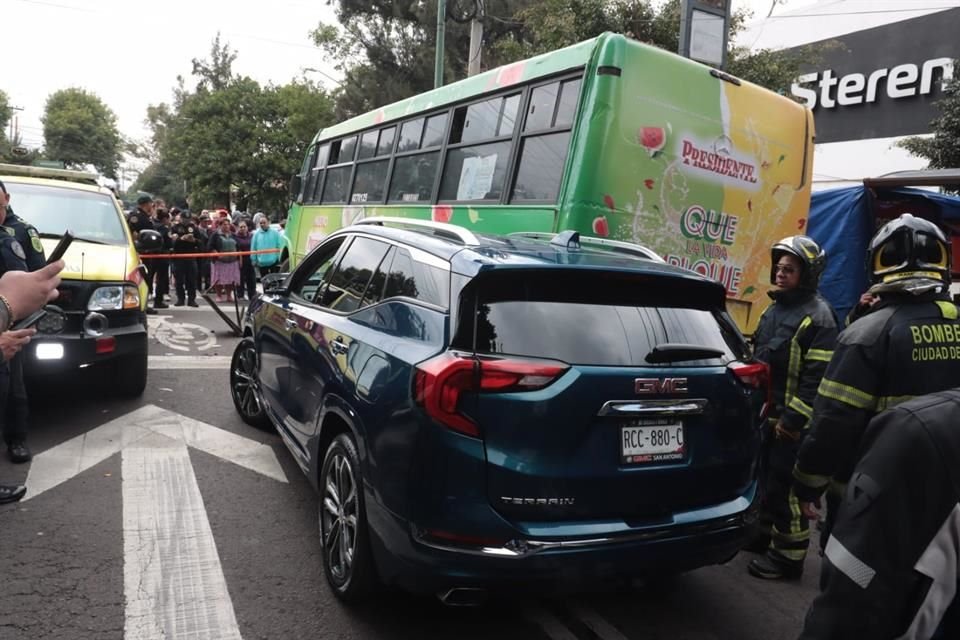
(386, 49)
(942, 149)
(79, 129)
(230, 138)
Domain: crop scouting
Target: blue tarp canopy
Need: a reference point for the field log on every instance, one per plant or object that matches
(844, 220)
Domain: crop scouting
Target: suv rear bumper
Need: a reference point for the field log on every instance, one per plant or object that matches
(559, 564)
(81, 350)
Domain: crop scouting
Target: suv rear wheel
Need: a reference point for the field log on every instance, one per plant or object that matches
(347, 559)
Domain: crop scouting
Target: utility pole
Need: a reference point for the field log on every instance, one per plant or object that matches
(438, 59)
(476, 42)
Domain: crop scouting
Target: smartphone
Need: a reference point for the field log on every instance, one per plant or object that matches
(61, 247)
(29, 321)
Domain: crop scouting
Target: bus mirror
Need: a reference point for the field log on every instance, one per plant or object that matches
(296, 182)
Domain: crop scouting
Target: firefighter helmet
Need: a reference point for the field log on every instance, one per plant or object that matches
(909, 247)
(812, 258)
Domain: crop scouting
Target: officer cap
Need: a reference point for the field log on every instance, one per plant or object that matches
(144, 199)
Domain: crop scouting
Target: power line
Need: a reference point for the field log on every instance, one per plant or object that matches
(59, 6)
(865, 12)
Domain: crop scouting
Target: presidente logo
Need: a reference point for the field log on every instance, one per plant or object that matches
(719, 161)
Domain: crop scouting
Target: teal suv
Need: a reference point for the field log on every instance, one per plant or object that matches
(488, 413)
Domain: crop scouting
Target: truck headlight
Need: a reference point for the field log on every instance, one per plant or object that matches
(114, 298)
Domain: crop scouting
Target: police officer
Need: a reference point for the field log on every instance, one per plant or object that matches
(795, 337)
(185, 239)
(139, 220)
(908, 345)
(161, 266)
(13, 392)
(890, 566)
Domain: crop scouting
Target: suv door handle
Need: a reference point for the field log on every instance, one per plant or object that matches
(337, 347)
(290, 323)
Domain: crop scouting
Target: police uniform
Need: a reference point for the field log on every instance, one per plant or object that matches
(890, 565)
(185, 269)
(160, 267)
(13, 392)
(795, 337)
(29, 239)
(139, 220)
(909, 345)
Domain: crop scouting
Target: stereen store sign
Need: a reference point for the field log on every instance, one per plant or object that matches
(882, 82)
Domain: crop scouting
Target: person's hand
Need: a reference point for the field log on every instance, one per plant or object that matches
(811, 510)
(868, 299)
(11, 342)
(27, 292)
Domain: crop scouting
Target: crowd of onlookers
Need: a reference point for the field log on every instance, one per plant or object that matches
(217, 231)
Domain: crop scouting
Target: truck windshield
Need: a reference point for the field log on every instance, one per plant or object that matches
(52, 210)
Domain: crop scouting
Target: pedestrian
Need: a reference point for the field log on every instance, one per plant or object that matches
(13, 391)
(890, 565)
(225, 270)
(16, 412)
(161, 266)
(204, 230)
(795, 337)
(905, 347)
(143, 217)
(266, 237)
(185, 241)
(248, 279)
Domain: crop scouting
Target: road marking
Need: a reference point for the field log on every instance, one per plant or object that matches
(550, 624)
(600, 627)
(182, 336)
(173, 582)
(188, 362)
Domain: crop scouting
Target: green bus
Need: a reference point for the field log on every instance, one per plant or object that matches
(609, 137)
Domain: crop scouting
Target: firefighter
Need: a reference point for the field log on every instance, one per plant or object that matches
(907, 346)
(795, 337)
(890, 566)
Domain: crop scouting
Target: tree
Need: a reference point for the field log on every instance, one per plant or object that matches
(228, 135)
(386, 49)
(942, 149)
(79, 129)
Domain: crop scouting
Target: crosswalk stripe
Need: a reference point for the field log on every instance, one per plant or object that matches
(188, 362)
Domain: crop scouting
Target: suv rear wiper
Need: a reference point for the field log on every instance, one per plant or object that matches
(677, 351)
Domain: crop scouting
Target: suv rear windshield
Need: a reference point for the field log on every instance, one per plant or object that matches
(52, 210)
(604, 325)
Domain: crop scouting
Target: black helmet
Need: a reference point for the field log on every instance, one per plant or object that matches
(149, 241)
(807, 251)
(909, 247)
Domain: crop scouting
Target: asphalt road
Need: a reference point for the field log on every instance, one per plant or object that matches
(62, 572)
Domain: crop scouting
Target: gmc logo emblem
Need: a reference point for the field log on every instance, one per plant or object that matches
(659, 386)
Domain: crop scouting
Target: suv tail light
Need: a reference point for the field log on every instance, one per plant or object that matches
(440, 381)
(755, 376)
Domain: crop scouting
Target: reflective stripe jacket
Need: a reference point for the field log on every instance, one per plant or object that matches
(891, 567)
(795, 336)
(906, 347)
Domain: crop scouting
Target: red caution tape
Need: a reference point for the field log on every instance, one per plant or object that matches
(167, 256)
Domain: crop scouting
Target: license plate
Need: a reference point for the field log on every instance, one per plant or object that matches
(652, 441)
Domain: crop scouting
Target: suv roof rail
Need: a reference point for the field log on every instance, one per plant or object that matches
(573, 239)
(47, 172)
(441, 229)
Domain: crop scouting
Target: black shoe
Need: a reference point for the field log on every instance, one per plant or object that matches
(150, 311)
(179, 303)
(11, 493)
(193, 303)
(19, 452)
(161, 305)
(770, 567)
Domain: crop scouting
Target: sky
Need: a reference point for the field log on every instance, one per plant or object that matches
(130, 52)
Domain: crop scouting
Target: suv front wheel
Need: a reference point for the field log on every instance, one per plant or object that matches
(347, 559)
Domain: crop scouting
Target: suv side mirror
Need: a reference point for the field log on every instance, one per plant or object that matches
(296, 183)
(149, 241)
(273, 282)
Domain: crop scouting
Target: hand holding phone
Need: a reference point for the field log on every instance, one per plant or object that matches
(61, 247)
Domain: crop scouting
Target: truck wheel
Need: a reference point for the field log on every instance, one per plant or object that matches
(131, 375)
